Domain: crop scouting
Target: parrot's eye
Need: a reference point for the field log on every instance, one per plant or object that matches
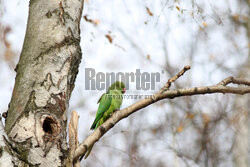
(124, 90)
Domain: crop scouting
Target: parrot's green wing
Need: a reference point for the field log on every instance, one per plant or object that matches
(105, 102)
(115, 105)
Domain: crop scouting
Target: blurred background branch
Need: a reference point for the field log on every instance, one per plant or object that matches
(211, 36)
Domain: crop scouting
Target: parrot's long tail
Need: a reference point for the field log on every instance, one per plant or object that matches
(88, 152)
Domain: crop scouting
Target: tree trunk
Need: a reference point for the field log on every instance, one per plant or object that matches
(37, 116)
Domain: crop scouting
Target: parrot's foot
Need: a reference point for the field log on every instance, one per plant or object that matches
(113, 112)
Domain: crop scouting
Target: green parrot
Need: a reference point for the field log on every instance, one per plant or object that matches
(109, 102)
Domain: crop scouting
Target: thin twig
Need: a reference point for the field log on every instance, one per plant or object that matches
(234, 81)
(174, 78)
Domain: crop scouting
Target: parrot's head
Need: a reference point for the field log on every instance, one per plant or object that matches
(118, 86)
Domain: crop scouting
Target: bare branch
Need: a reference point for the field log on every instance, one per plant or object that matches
(162, 94)
(174, 78)
(234, 81)
(73, 140)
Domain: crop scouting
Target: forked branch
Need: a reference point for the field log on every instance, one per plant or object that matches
(164, 93)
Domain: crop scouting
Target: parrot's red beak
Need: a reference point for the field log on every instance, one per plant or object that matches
(124, 90)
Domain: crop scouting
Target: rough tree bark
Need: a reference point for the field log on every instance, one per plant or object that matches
(36, 119)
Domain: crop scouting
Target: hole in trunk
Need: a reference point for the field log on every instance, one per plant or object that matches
(50, 126)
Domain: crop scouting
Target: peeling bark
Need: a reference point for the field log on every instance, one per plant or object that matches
(46, 72)
(5, 157)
